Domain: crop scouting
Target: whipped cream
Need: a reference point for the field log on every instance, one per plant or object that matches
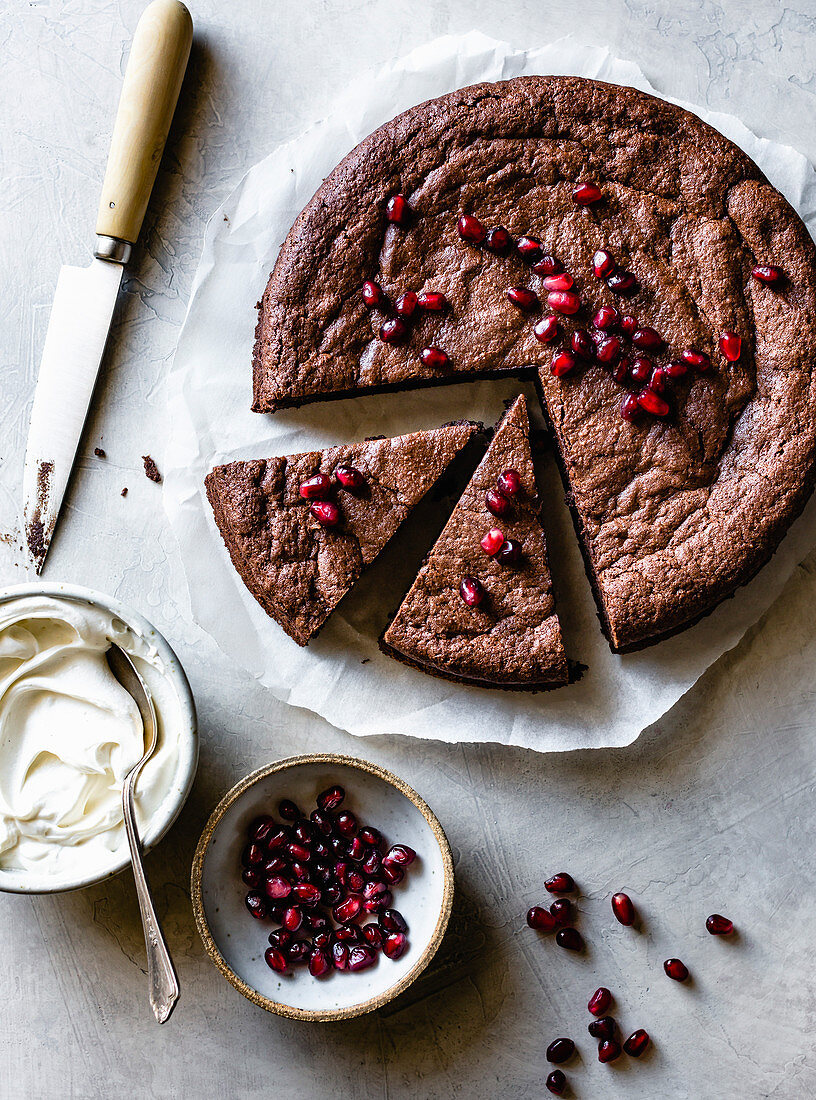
(69, 734)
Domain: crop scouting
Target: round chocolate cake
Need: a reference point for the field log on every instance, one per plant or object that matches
(633, 261)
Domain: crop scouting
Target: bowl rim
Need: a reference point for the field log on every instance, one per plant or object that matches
(210, 946)
(188, 739)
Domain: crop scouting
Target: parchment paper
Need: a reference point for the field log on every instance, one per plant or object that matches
(342, 675)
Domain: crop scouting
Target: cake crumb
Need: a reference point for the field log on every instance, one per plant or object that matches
(151, 469)
(124, 491)
(99, 452)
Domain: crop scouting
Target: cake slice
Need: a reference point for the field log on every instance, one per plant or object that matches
(301, 528)
(482, 612)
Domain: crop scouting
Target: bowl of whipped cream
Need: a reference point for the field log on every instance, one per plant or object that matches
(70, 733)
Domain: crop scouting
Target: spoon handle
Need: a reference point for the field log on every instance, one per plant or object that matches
(164, 986)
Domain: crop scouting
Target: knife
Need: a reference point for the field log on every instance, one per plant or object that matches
(86, 296)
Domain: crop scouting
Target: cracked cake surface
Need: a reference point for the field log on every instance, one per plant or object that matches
(674, 513)
(512, 639)
(297, 568)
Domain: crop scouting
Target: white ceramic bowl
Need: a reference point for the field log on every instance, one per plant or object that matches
(183, 719)
(236, 941)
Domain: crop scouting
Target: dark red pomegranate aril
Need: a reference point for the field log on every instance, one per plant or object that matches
(620, 372)
(659, 380)
(300, 872)
(395, 945)
(348, 933)
(647, 339)
(348, 909)
(547, 329)
(356, 849)
(356, 881)
(325, 512)
(563, 281)
(350, 478)
(523, 298)
(564, 301)
(252, 878)
(653, 403)
(360, 957)
(562, 910)
(338, 845)
(331, 798)
(373, 934)
(641, 368)
(560, 1050)
(303, 831)
(278, 840)
(434, 358)
(529, 248)
(623, 909)
(307, 892)
(509, 482)
(541, 919)
(398, 210)
(697, 359)
(731, 346)
(499, 241)
(600, 1001)
(628, 325)
(471, 591)
(322, 940)
(509, 552)
(497, 503)
(556, 1082)
(629, 407)
(280, 938)
(292, 919)
(548, 265)
(608, 351)
(373, 295)
(767, 273)
(341, 870)
(340, 955)
(374, 889)
(622, 282)
(391, 872)
(586, 193)
(393, 921)
(432, 301)
(286, 807)
(471, 229)
(636, 1043)
(299, 852)
(371, 837)
(256, 905)
(406, 304)
(675, 969)
(563, 363)
(718, 925)
(252, 855)
(346, 823)
(603, 263)
(606, 318)
(491, 543)
(315, 488)
(319, 963)
(570, 939)
(261, 828)
(609, 1050)
(275, 959)
(582, 344)
(298, 952)
(331, 894)
(371, 863)
(277, 887)
(676, 369)
(316, 922)
(393, 331)
(604, 1028)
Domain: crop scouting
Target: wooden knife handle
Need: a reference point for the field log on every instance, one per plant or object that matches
(155, 70)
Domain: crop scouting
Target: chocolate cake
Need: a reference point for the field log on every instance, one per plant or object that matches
(481, 610)
(300, 529)
(620, 251)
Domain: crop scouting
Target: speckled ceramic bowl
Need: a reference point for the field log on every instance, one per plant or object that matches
(236, 942)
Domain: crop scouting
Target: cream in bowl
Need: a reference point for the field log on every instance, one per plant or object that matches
(69, 734)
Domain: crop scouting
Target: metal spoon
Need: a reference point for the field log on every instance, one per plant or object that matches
(164, 986)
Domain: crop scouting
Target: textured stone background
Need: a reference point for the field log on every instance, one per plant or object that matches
(712, 810)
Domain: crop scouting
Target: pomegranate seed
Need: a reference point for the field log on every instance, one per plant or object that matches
(471, 591)
(361, 957)
(274, 865)
(275, 959)
(349, 478)
(491, 543)
(322, 940)
(563, 363)
(609, 1050)
(252, 878)
(731, 346)
(548, 265)
(562, 910)
(356, 849)
(432, 301)
(392, 921)
(547, 329)
(498, 240)
(719, 926)
(623, 909)
(319, 963)
(522, 297)
(697, 359)
(636, 1043)
(331, 798)
(341, 870)
(606, 318)
(316, 487)
(401, 854)
(657, 383)
(298, 852)
(393, 331)
(647, 339)
(300, 872)
(398, 210)
(406, 304)
(256, 905)
(600, 1001)
(608, 351)
(371, 837)
(348, 933)
(629, 407)
(582, 344)
(373, 890)
(620, 372)
(604, 1028)
(373, 295)
(371, 863)
(325, 512)
(346, 823)
(541, 919)
(338, 845)
(332, 894)
(252, 855)
(767, 273)
(603, 263)
(676, 969)
(563, 281)
(434, 358)
(347, 910)
(497, 503)
(373, 935)
(277, 887)
(316, 922)
(395, 945)
(628, 325)
(391, 872)
(641, 368)
(302, 831)
(298, 952)
(622, 282)
(653, 403)
(529, 248)
(569, 938)
(307, 892)
(556, 1082)
(676, 369)
(584, 194)
(509, 482)
(340, 955)
(471, 229)
(261, 828)
(564, 301)
(509, 552)
(560, 1050)
(292, 919)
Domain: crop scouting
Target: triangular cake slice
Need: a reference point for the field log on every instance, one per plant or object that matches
(482, 618)
(299, 548)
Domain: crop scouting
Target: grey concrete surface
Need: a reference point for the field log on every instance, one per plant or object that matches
(711, 810)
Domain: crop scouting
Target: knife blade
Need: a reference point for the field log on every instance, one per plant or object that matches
(85, 298)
